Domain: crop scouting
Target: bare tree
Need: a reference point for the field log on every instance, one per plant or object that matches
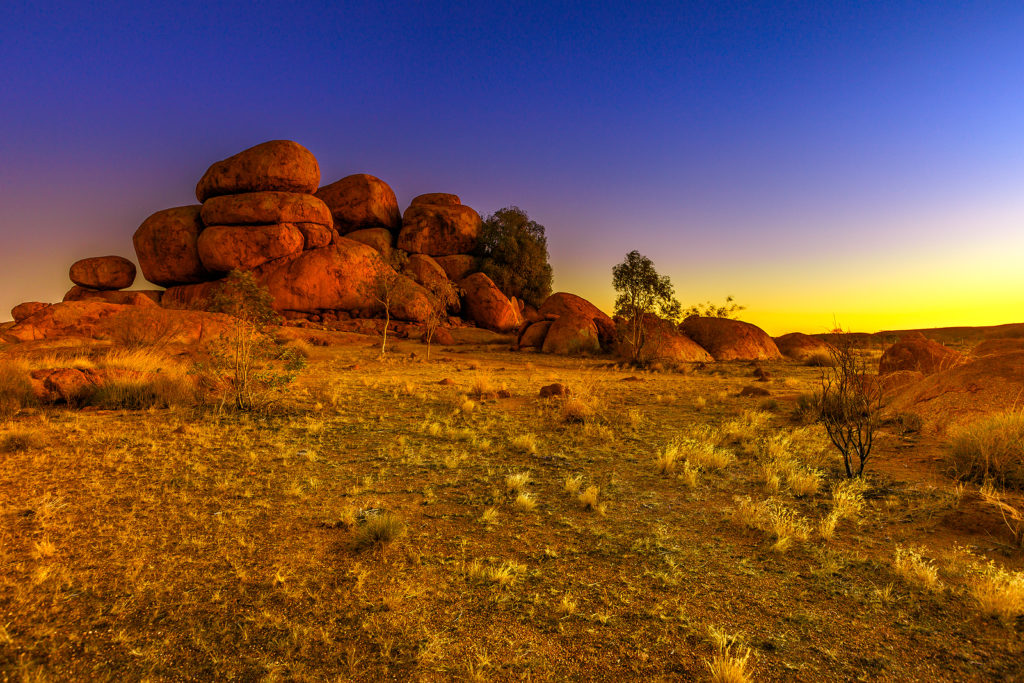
(442, 296)
(851, 403)
(384, 288)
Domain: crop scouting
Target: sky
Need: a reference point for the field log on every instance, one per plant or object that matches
(848, 162)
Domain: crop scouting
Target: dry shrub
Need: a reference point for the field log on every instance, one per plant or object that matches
(819, 359)
(772, 517)
(667, 458)
(576, 409)
(916, 570)
(999, 592)
(706, 455)
(379, 530)
(15, 388)
(572, 484)
(154, 391)
(726, 667)
(990, 449)
(20, 441)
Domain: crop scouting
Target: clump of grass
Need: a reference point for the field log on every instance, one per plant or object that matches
(847, 503)
(525, 442)
(772, 517)
(690, 475)
(707, 456)
(516, 482)
(379, 530)
(999, 592)
(19, 441)
(700, 403)
(482, 386)
(489, 516)
(567, 607)
(916, 570)
(576, 409)
(667, 458)
(525, 502)
(990, 449)
(140, 393)
(819, 359)
(572, 484)
(725, 666)
(15, 387)
(804, 483)
(504, 575)
(589, 499)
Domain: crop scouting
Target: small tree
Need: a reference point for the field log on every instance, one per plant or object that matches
(851, 403)
(513, 252)
(257, 367)
(385, 286)
(642, 293)
(442, 296)
(710, 310)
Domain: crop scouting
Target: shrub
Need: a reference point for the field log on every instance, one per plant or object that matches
(850, 406)
(15, 388)
(819, 359)
(916, 570)
(162, 391)
(20, 441)
(379, 530)
(513, 252)
(991, 448)
(999, 592)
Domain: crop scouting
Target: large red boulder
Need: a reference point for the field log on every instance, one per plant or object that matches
(22, 311)
(165, 244)
(436, 199)
(915, 352)
(119, 323)
(484, 303)
(149, 297)
(315, 235)
(425, 270)
(572, 334)
(265, 208)
(103, 272)
(563, 303)
(223, 248)
(343, 276)
(194, 297)
(457, 266)
(727, 339)
(277, 165)
(361, 201)
(439, 229)
(534, 334)
(380, 239)
(660, 341)
(799, 346)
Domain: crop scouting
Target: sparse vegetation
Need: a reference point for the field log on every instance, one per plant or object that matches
(851, 403)
(990, 448)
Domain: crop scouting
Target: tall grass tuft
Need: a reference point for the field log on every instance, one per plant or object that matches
(15, 388)
(990, 449)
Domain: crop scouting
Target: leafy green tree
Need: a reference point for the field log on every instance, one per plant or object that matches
(254, 367)
(710, 310)
(513, 252)
(642, 292)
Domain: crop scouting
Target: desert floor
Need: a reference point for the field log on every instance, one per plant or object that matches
(183, 544)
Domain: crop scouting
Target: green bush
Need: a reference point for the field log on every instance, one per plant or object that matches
(513, 252)
(990, 449)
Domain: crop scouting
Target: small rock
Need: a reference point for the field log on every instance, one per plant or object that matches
(751, 390)
(555, 389)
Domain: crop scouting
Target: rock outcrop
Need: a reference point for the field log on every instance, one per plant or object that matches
(533, 335)
(265, 208)
(727, 339)
(457, 266)
(483, 302)
(916, 352)
(572, 334)
(223, 248)
(380, 239)
(438, 229)
(166, 245)
(660, 342)
(149, 297)
(799, 346)
(361, 201)
(103, 272)
(22, 311)
(563, 303)
(275, 166)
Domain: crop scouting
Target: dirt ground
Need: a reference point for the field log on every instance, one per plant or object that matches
(183, 544)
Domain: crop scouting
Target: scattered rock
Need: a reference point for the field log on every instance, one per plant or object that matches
(103, 272)
(504, 393)
(485, 304)
(751, 390)
(727, 339)
(223, 248)
(27, 309)
(761, 374)
(443, 337)
(361, 201)
(166, 246)
(439, 229)
(446, 382)
(552, 390)
(915, 352)
(277, 165)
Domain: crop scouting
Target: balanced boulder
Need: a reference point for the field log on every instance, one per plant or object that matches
(727, 339)
(439, 229)
(916, 352)
(563, 303)
(265, 208)
(166, 245)
(223, 248)
(484, 303)
(103, 272)
(457, 266)
(277, 165)
(361, 201)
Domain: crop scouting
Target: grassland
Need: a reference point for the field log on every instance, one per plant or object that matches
(381, 525)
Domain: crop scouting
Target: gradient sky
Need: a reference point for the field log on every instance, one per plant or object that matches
(860, 162)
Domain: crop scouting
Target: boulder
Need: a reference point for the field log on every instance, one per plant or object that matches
(439, 229)
(340, 277)
(361, 201)
(553, 390)
(103, 272)
(425, 271)
(662, 343)
(380, 239)
(727, 339)
(991, 347)
(22, 311)
(456, 266)
(572, 334)
(165, 244)
(915, 352)
(265, 208)
(138, 298)
(189, 297)
(277, 165)
(119, 323)
(443, 337)
(436, 199)
(487, 306)
(315, 235)
(223, 248)
(563, 303)
(534, 334)
(799, 346)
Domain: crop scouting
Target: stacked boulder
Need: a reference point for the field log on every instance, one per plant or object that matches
(102, 278)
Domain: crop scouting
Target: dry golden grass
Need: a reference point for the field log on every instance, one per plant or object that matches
(916, 570)
(999, 592)
(990, 449)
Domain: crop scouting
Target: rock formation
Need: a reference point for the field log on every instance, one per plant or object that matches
(439, 229)
(103, 272)
(361, 201)
(916, 352)
(727, 339)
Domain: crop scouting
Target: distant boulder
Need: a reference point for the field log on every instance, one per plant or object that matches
(799, 346)
(265, 208)
(662, 342)
(727, 339)
(572, 334)
(166, 245)
(103, 272)
(361, 201)
(563, 303)
(277, 165)
(916, 352)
